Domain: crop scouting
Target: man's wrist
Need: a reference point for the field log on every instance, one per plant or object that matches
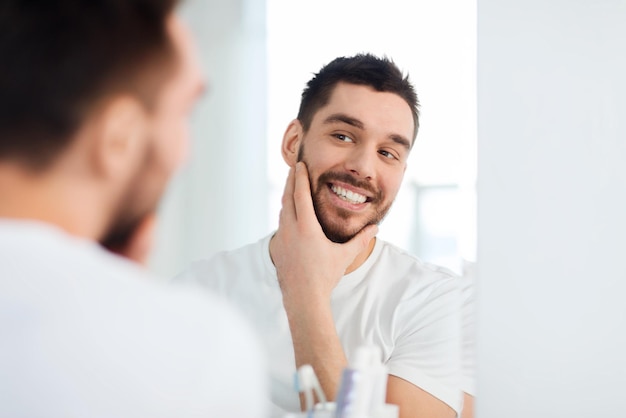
(310, 308)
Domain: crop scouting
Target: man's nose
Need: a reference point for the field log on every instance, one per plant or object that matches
(362, 162)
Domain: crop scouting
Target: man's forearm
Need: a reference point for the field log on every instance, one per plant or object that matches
(315, 342)
(309, 266)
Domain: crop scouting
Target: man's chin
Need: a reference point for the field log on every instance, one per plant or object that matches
(117, 239)
(123, 230)
(340, 234)
(338, 237)
(340, 225)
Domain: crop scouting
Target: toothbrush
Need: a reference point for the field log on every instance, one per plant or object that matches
(308, 383)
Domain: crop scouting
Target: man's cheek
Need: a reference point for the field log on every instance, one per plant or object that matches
(173, 149)
(183, 142)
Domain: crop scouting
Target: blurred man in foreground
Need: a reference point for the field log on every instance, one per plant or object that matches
(94, 101)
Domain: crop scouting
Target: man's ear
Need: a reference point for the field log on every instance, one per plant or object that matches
(119, 137)
(292, 140)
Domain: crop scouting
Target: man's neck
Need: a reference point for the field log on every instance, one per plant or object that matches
(356, 263)
(360, 259)
(47, 199)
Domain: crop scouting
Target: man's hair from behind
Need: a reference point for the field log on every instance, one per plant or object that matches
(60, 59)
(381, 74)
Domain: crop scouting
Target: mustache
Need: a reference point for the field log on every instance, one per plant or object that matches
(331, 176)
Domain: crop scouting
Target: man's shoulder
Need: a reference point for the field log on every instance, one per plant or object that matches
(409, 265)
(78, 275)
(129, 327)
(244, 263)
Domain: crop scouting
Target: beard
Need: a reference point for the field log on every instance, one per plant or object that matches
(139, 201)
(334, 220)
(122, 230)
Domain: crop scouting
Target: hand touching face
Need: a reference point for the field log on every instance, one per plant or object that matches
(309, 266)
(356, 151)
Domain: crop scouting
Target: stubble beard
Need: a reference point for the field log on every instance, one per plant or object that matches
(333, 220)
(133, 208)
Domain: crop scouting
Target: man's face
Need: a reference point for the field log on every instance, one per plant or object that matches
(168, 138)
(356, 151)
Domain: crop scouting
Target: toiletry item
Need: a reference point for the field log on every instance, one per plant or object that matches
(363, 386)
(308, 383)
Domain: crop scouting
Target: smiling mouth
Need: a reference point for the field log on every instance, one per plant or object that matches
(348, 195)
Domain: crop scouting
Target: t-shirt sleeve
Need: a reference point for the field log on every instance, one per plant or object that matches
(193, 273)
(208, 274)
(427, 349)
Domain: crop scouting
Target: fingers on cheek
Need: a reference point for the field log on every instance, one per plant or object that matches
(300, 196)
(302, 182)
(281, 217)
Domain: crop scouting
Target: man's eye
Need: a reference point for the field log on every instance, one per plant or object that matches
(386, 154)
(344, 138)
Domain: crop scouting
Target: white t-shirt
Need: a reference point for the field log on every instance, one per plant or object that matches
(84, 333)
(407, 308)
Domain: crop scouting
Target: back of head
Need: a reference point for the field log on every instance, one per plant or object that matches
(381, 74)
(60, 59)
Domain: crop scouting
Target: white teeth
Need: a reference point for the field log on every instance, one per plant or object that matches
(348, 195)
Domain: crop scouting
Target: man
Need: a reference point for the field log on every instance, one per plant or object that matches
(323, 284)
(94, 101)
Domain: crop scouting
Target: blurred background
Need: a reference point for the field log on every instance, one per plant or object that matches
(258, 56)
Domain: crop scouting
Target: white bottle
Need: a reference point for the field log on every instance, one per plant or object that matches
(363, 387)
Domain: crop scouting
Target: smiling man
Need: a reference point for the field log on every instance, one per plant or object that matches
(322, 285)
(356, 174)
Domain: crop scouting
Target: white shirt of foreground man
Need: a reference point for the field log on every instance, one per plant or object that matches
(89, 334)
(335, 286)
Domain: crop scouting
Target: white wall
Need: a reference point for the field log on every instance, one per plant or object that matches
(552, 208)
(219, 200)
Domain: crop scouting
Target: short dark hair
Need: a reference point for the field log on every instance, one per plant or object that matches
(59, 59)
(381, 74)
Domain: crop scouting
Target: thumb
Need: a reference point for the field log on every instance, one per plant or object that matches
(360, 242)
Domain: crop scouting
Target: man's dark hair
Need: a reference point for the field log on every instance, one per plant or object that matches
(363, 69)
(60, 59)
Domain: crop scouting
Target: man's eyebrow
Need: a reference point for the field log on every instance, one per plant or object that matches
(398, 139)
(341, 117)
